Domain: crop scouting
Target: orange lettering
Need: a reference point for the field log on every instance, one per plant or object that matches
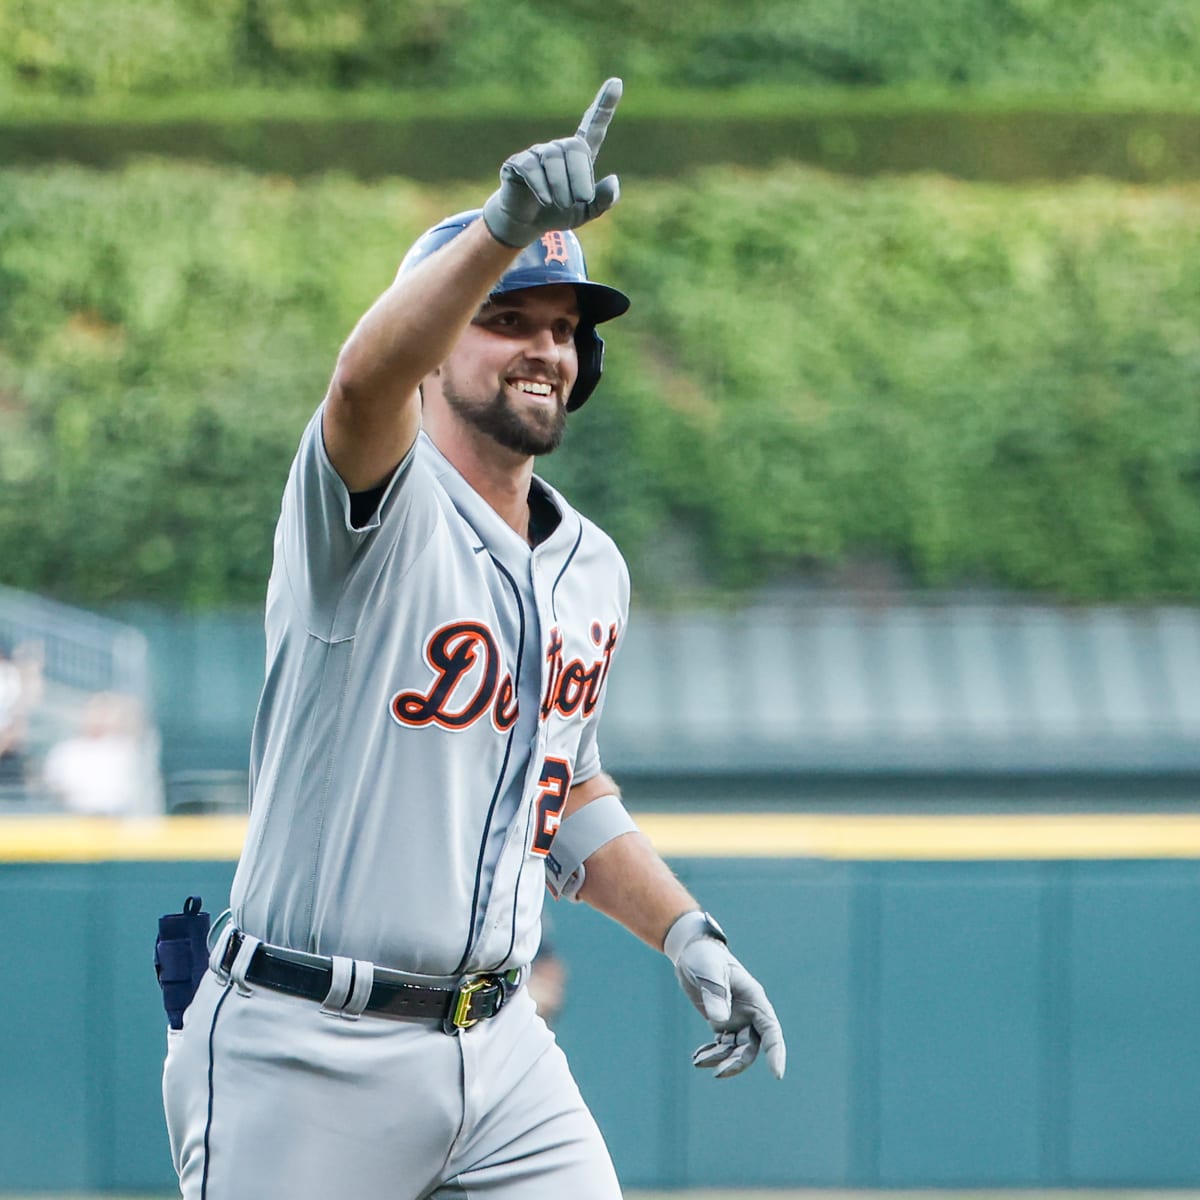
(556, 247)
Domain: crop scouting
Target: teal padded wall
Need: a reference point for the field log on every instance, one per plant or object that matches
(1133, 1024)
(959, 1025)
(48, 1037)
(949, 1024)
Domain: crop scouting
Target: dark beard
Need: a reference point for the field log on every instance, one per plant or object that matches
(501, 422)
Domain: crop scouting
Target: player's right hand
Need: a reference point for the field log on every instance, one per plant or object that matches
(552, 185)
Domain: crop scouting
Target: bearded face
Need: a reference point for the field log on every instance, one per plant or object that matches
(525, 428)
(512, 371)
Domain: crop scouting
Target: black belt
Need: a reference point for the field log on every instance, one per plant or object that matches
(458, 1008)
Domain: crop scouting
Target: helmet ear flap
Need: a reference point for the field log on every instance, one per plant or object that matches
(589, 349)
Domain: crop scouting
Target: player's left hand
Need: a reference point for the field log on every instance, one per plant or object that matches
(729, 998)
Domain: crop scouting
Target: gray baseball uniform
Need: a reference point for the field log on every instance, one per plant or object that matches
(430, 678)
(433, 689)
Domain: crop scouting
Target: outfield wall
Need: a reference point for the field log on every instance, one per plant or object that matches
(992, 1001)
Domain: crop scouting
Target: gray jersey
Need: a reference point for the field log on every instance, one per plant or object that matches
(433, 689)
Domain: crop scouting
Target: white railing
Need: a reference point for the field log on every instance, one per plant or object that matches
(79, 649)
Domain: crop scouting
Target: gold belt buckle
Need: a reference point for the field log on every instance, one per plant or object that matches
(462, 1018)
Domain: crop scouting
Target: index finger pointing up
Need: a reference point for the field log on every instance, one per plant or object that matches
(594, 124)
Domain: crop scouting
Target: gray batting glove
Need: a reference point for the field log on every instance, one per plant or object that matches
(729, 998)
(553, 185)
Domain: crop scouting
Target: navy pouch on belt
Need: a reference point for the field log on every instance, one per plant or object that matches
(181, 957)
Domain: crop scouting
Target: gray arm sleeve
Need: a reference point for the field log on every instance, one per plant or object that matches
(578, 838)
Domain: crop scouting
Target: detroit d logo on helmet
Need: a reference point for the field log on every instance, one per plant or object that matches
(557, 249)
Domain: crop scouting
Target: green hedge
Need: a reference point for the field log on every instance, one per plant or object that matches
(545, 47)
(967, 384)
(370, 142)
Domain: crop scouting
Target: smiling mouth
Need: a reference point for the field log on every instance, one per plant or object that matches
(533, 388)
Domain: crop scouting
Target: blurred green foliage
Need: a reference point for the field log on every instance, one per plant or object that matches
(163, 334)
(987, 385)
(541, 48)
(979, 385)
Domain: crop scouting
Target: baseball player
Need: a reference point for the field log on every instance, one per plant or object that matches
(441, 625)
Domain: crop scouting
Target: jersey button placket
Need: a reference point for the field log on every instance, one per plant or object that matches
(545, 623)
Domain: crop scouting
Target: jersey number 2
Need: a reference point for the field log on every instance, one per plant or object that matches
(554, 782)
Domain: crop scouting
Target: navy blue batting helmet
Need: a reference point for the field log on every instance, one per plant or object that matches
(556, 257)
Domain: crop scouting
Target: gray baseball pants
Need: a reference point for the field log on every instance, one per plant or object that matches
(266, 1098)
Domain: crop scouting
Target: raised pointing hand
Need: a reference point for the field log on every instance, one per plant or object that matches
(552, 185)
(594, 123)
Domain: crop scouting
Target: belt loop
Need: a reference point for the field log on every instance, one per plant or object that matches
(245, 953)
(217, 955)
(360, 993)
(220, 926)
(339, 986)
(349, 988)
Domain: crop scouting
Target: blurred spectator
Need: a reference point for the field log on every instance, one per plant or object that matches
(548, 978)
(20, 686)
(101, 771)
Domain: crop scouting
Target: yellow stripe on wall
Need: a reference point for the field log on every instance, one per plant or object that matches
(120, 839)
(920, 838)
(678, 835)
